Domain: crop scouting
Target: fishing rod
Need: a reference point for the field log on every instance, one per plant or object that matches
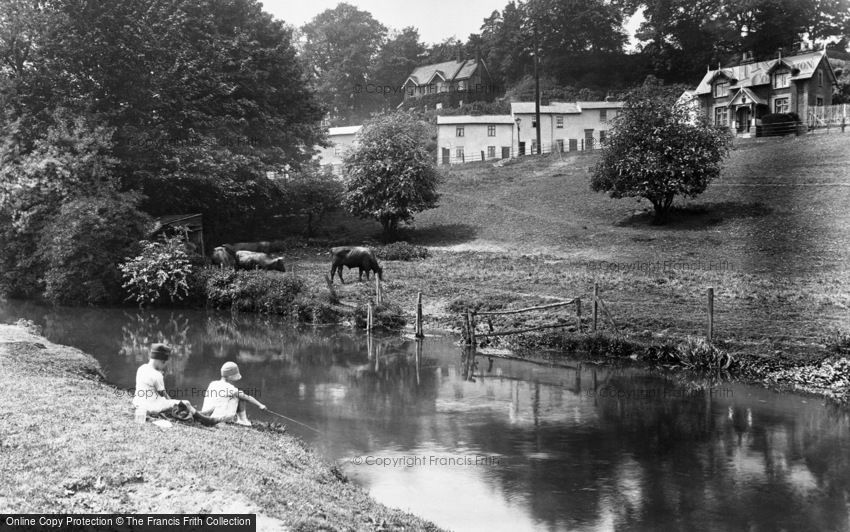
(293, 420)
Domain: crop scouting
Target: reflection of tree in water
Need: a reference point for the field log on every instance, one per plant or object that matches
(661, 463)
(141, 329)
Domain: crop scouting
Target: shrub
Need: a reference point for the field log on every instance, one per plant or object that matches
(265, 292)
(83, 245)
(402, 251)
(776, 124)
(161, 270)
(314, 308)
(698, 354)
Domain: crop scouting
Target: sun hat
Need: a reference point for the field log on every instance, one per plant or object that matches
(231, 371)
(160, 352)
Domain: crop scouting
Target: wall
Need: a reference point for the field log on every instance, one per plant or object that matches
(335, 153)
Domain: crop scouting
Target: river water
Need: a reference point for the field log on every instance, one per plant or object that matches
(502, 445)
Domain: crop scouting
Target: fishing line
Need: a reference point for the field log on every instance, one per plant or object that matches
(294, 421)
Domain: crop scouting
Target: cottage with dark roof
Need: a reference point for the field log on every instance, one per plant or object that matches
(450, 76)
(739, 96)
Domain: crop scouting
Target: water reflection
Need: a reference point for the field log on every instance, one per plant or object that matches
(573, 448)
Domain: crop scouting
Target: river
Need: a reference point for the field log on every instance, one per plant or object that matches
(502, 445)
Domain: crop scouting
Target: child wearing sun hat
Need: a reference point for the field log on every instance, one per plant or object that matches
(225, 402)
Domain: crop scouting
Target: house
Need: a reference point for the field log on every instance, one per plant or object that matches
(341, 140)
(474, 138)
(467, 76)
(739, 96)
(564, 126)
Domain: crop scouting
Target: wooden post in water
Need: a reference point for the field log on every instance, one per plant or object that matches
(595, 305)
(710, 333)
(418, 329)
(379, 297)
(578, 313)
(369, 313)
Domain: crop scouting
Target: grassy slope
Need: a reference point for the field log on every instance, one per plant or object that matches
(71, 446)
(773, 227)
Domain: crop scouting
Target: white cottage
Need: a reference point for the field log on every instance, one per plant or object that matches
(341, 139)
(468, 138)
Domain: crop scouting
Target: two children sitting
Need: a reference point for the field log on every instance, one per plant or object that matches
(222, 401)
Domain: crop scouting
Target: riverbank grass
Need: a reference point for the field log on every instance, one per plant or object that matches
(69, 444)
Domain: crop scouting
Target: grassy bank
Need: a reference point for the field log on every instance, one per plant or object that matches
(770, 237)
(70, 445)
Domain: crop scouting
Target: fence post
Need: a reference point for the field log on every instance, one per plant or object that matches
(595, 305)
(369, 317)
(578, 313)
(419, 316)
(466, 326)
(710, 332)
(379, 297)
(471, 315)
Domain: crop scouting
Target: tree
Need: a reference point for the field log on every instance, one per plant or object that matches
(655, 152)
(340, 45)
(398, 56)
(391, 173)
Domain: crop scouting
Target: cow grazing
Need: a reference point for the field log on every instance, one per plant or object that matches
(223, 258)
(252, 260)
(354, 257)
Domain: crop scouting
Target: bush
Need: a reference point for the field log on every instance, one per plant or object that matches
(83, 245)
(161, 270)
(264, 292)
(776, 124)
(698, 354)
(315, 309)
(402, 251)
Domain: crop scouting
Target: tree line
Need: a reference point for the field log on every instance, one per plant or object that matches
(581, 44)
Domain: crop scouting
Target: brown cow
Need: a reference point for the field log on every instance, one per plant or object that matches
(354, 257)
(252, 260)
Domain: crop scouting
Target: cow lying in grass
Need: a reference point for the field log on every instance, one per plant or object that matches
(253, 260)
(354, 257)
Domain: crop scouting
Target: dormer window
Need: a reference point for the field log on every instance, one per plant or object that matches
(721, 89)
(781, 79)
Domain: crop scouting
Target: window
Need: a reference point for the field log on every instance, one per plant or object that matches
(461, 85)
(337, 151)
(603, 115)
(459, 132)
(559, 122)
(602, 136)
(721, 89)
(819, 102)
(560, 143)
(491, 130)
(780, 105)
(820, 78)
(720, 116)
(459, 153)
(491, 152)
(410, 90)
(781, 79)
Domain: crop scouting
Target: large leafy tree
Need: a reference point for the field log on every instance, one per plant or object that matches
(656, 151)
(399, 55)
(340, 46)
(391, 173)
(204, 97)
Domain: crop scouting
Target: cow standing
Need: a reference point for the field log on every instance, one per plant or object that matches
(354, 257)
(252, 260)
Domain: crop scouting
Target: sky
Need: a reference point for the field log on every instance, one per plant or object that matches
(436, 20)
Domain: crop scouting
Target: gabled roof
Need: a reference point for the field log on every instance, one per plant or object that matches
(753, 74)
(742, 92)
(554, 108)
(600, 105)
(475, 119)
(449, 70)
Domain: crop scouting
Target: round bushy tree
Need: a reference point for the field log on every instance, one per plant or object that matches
(390, 173)
(657, 150)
